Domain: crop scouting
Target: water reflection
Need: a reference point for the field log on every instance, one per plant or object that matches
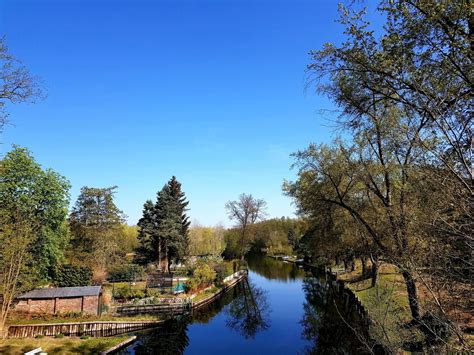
(274, 269)
(169, 340)
(329, 323)
(249, 312)
(281, 310)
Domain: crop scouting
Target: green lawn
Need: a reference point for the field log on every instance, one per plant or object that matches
(64, 345)
(204, 294)
(387, 304)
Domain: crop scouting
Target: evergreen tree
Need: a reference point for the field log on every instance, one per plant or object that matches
(163, 229)
(180, 204)
(96, 225)
(146, 238)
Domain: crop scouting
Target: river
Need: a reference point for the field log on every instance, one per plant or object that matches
(282, 309)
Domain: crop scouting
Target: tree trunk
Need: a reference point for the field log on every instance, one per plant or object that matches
(242, 242)
(162, 256)
(412, 295)
(346, 266)
(3, 331)
(363, 261)
(353, 265)
(375, 270)
(164, 263)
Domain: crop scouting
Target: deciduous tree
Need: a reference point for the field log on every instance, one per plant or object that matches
(245, 211)
(16, 83)
(33, 232)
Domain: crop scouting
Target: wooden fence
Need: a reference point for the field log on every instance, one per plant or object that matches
(78, 329)
(162, 308)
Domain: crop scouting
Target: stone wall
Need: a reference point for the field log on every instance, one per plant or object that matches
(64, 305)
(36, 306)
(91, 305)
(86, 304)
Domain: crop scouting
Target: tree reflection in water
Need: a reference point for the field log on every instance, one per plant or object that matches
(249, 312)
(171, 339)
(323, 325)
(274, 269)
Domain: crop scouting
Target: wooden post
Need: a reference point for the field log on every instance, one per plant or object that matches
(55, 301)
(82, 304)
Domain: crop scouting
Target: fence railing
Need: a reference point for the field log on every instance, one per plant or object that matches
(98, 328)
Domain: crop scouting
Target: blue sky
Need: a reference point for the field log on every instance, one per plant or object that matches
(137, 91)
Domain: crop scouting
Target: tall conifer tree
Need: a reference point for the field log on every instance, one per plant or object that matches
(163, 229)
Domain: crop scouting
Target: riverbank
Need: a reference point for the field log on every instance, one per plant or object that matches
(100, 327)
(388, 307)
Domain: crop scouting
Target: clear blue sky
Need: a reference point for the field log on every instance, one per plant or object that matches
(210, 91)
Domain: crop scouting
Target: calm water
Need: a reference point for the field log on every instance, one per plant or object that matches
(280, 310)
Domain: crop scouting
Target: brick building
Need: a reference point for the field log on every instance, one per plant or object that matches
(85, 299)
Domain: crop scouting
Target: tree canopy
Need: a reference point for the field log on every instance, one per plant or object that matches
(33, 230)
(164, 226)
(96, 225)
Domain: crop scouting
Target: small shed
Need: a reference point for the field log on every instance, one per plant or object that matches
(85, 299)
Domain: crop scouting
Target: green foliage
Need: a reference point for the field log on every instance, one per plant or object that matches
(125, 272)
(222, 269)
(127, 292)
(400, 185)
(96, 224)
(72, 275)
(40, 198)
(130, 238)
(293, 239)
(206, 241)
(232, 244)
(163, 228)
(269, 236)
(203, 276)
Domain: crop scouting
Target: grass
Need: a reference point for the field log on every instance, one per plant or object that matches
(206, 293)
(72, 345)
(387, 304)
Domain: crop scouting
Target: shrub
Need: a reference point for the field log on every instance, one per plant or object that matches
(221, 273)
(72, 314)
(60, 335)
(203, 276)
(72, 275)
(126, 292)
